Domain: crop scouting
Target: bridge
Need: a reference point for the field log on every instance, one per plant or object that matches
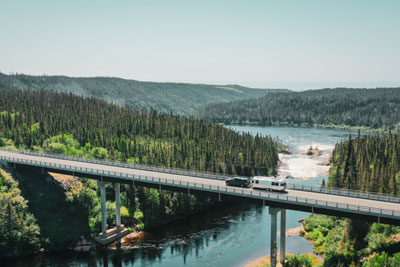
(343, 203)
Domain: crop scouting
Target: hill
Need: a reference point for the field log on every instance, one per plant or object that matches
(88, 127)
(178, 98)
(351, 108)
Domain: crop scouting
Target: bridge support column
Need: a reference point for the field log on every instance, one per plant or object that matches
(118, 205)
(103, 208)
(273, 246)
(283, 237)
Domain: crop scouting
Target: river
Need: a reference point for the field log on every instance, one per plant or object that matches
(229, 237)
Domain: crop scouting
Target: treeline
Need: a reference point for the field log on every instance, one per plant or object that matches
(368, 163)
(369, 108)
(87, 127)
(178, 98)
(28, 118)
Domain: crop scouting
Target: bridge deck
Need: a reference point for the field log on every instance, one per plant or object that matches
(296, 197)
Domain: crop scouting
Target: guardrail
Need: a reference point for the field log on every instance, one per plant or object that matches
(394, 214)
(214, 176)
(178, 171)
(345, 192)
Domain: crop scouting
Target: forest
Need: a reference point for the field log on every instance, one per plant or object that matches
(28, 118)
(88, 127)
(178, 98)
(369, 163)
(364, 109)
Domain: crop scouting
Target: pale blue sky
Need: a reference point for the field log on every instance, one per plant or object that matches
(288, 44)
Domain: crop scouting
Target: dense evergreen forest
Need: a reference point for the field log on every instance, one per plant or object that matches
(178, 98)
(369, 108)
(65, 123)
(368, 163)
(28, 118)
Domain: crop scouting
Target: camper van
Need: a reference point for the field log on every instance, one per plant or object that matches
(268, 183)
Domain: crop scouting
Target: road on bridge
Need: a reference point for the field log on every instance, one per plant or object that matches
(205, 181)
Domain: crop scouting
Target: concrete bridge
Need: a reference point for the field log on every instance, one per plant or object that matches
(336, 202)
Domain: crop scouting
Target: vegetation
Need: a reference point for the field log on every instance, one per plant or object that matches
(340, 108)
(29, 118)
(51, 208)
(88, 127)
(382, 259)
(179, 98)
(368, 163)
(299, 261)
(324, 232)
(19, 231)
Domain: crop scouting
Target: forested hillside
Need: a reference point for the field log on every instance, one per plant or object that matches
(178, 98)
(368, 163)
(369, 108)
(89, 127)
(29, 118)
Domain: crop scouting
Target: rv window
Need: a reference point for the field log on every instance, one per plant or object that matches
(257, 183)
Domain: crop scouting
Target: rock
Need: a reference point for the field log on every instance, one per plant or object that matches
(132, 237)
(285, 151)
(297, 231)
(313, 152)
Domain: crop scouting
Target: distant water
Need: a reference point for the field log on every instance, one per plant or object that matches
(229, 237)
(298, 165)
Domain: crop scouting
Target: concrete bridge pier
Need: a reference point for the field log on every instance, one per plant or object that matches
(283, 237)
(103, 208)
(118, 205)
(108, 236)
(273, 243)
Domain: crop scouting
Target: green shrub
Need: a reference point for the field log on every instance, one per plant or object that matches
(299, 261)
(138, 215)
(395, 260)
(376, 261)
(124, 211)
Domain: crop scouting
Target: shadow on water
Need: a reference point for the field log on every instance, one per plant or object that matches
(167, 245)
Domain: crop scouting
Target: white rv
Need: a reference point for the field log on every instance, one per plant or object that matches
(268, 183)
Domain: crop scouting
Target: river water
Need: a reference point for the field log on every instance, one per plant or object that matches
(228, 236)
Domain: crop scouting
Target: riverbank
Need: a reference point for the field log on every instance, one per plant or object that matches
(363, 129)
(296, 231)
(264, 261)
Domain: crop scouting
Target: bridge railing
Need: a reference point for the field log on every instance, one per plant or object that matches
(345, 192)
(208, 175)
(200, 174)
(263, 195)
